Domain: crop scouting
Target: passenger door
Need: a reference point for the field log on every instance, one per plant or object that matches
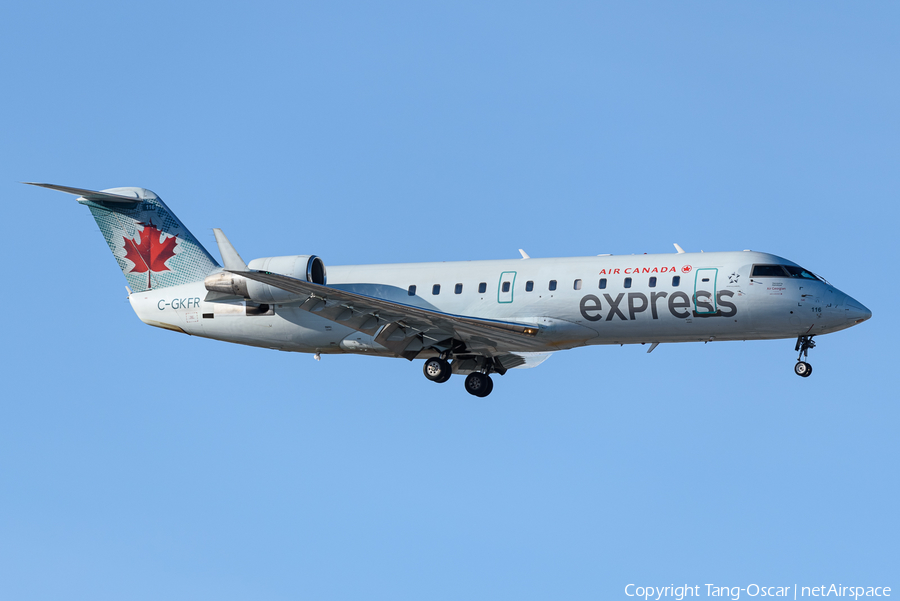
(505, 289)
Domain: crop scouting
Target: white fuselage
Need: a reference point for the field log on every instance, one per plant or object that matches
(596, 300)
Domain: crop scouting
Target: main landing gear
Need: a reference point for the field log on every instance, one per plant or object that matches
(804, 343)
(479, 383)
(437, 369)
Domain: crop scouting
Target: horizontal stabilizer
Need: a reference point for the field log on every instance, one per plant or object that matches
(92, 195)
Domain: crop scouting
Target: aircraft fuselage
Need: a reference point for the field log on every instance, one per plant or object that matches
(473, 317)
(574, 301)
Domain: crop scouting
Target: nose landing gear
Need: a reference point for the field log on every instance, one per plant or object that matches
(804, 343)
(803, 369)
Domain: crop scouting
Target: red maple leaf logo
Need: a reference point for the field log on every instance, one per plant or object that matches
(150, 254)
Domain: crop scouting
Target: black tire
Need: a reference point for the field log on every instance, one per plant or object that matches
(436, 370)
(490, 386)
(803, 369)
(447, 373)
(808, 371)
(477, 383)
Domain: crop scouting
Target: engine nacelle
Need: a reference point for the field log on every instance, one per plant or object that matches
(308, 268)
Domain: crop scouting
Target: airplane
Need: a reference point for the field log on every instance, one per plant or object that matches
(471, 318)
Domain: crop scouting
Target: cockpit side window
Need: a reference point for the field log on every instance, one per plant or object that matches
(768, 271)
(799, 272)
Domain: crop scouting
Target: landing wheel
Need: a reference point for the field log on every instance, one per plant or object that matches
(804, 343)
(479, 384)
(803, 369)
(437, 369)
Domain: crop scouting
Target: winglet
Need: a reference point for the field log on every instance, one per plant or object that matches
(524, 254)
(230, 257)
(92, 195)
(679, 249)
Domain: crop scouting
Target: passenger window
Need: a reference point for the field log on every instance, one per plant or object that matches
(458, 289)
(412, 290)
(676, 281)
(552, 284)
(436, 289)
(577, 284)
(767, 271)
(529, 286)
(482, 287)
(602, 283)
(628, 282)
(505, 286)
(653, 282)
(705, 279)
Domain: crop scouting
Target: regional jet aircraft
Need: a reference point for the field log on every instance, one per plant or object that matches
(470, 318)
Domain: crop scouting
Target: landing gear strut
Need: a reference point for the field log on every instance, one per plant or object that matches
(804, 343)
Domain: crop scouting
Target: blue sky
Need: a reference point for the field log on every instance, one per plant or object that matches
(140, 464)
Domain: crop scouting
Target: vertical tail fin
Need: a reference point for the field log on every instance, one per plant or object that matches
(151, 245)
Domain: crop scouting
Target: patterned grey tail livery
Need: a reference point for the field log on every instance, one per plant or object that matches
(151, 245)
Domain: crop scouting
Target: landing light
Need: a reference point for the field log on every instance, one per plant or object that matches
(531, 331)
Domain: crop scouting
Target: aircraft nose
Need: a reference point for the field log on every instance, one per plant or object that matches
(855, 311)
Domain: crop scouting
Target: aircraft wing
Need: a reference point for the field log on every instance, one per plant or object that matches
(407, 329)
(517, 360)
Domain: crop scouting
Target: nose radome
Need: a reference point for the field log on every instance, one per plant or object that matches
(856, 311)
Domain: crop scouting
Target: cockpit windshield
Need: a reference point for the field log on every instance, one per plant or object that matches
(799, 272)
(781, 271)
